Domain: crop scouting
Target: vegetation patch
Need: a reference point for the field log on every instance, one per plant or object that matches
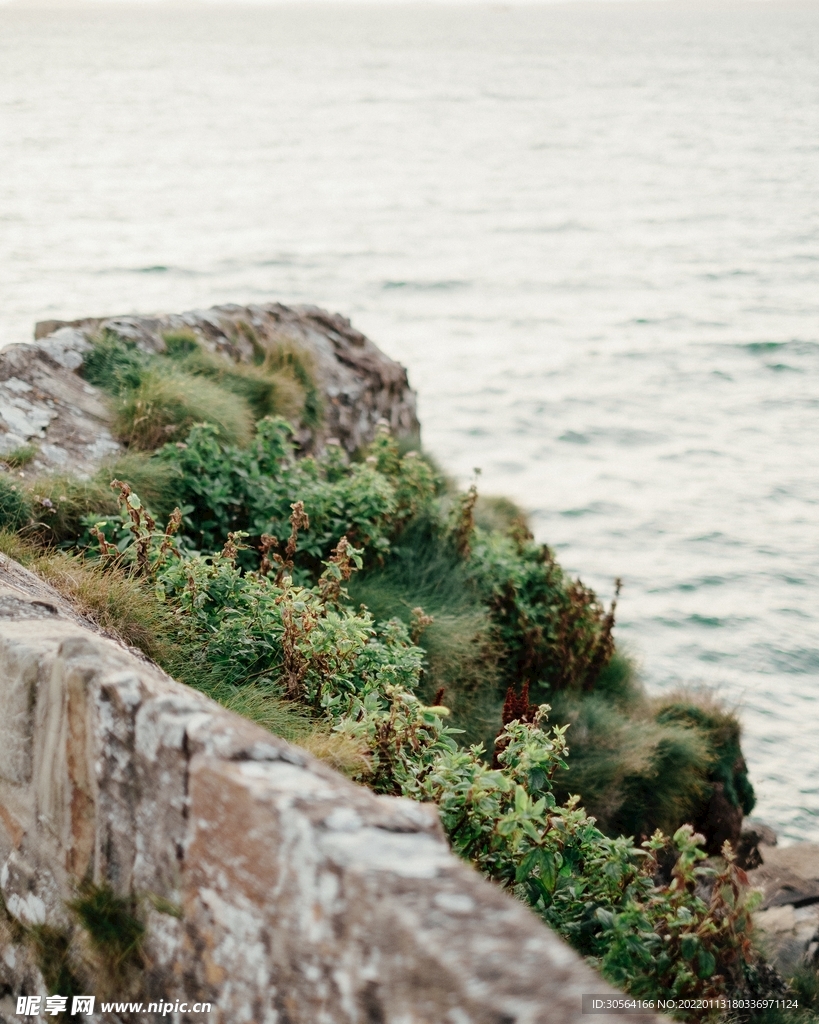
(158, 397)
(422, 642)
(20, 457)
(113, 928)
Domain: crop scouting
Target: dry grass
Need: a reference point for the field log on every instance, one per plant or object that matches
(344, 754)
(117, 602)
(111, 598)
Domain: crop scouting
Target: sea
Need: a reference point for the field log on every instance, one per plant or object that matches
(590, 230)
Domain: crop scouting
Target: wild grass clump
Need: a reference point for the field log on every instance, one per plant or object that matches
(266, 393)
(635, 774)
(114, 364)
(19, 458)
(701, 713)
(425, 585)
(158, 397)
(166, 404)
(114, 929)
(59, 503)
(15, 504)
(285, 360)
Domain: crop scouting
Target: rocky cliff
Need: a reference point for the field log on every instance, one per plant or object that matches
(43, 398)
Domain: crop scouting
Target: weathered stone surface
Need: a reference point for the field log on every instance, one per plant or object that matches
(789, 914)
(755, 836)
(788, 874)
(272, 887)
(43, 399)
(789, 935)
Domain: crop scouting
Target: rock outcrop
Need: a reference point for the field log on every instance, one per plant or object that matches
(789, 914)
(44, 400)
(270, 887)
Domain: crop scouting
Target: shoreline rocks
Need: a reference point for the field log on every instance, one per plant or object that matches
(788, 916)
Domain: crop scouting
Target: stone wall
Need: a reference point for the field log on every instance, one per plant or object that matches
(270, 886)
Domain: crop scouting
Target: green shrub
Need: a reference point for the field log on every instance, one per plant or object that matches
(554, 631)
(226, 489)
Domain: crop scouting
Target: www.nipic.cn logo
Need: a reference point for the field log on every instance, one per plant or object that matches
(29, 1006)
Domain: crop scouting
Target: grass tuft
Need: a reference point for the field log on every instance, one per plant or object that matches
(114, 930)
(114, 365)
(461, 653)
(166, 404)
(288, 361)
(634, 774)
(15, 505)
(268, 393)
(494, 512)
(20, 457)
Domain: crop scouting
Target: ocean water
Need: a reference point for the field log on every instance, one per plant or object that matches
(590, 230)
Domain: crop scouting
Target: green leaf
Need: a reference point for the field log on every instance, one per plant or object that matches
(548, 869)
(707, 964)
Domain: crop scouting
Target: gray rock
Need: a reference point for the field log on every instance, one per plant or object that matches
(788, 875)
(787, 935)
(754, 837)
(788, 918)
(43, 400)
(359, 384)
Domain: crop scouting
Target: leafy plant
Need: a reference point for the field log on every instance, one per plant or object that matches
(358, 608)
